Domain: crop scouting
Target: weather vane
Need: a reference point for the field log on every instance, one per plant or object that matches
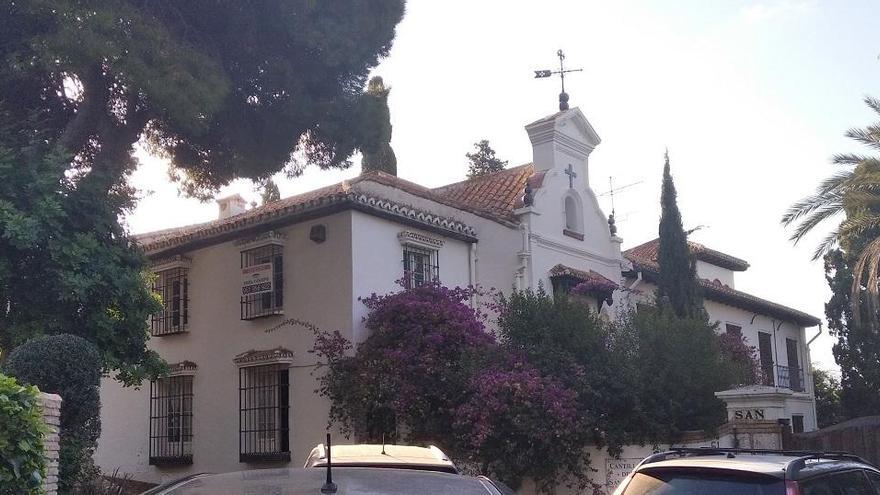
(563, 96)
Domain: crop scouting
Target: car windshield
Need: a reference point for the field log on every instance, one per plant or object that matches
(349, 481)
(692, 482)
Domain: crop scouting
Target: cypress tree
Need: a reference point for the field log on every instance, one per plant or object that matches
(376, 130)
(677, 286)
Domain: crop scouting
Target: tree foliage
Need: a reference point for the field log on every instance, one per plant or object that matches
(857, 350)
(66, 264)
(375, 119)
(557, 380)
(22, 465)
(69, 366)
(678, 367)
(563, 338)
(855, 193)
(223, 90)
(483, 160)
(826, 387)
(677, 284)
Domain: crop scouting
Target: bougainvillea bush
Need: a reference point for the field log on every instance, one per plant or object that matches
(527, 400)
(743, 365)
(430, 372)
(519, 421)
(565, 339)
(409, 376)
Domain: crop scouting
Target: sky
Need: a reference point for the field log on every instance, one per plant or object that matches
(750, 97)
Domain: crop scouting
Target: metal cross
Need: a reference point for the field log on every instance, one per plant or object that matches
(571, 175)
(563, 96)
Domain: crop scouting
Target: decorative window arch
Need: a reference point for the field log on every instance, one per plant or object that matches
(573, 212)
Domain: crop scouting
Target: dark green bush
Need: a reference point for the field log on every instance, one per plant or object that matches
(22, 466)
(69, 366)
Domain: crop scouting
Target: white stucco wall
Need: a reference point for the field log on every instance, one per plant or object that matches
(712, 272)
(316, 289)
(377, 256)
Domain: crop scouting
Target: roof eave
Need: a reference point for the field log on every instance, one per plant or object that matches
(371, 206)
(650, 273)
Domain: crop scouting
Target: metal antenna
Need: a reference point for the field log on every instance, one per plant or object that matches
(329, 486)
(611, 190)
(563, 96)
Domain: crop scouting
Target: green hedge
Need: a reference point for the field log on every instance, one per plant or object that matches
(22, 466)
(69, 366)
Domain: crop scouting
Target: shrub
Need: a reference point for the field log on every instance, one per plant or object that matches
(679, 367)
(743, 365)
(519, 423)
(412, 371)
(69, 366)
(564, 338)
(22, 466)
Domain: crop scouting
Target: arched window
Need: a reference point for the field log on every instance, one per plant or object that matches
(572, 215)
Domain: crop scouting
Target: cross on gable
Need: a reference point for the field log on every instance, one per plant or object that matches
(571, 175)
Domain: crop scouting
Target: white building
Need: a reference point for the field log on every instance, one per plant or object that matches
(240, 397)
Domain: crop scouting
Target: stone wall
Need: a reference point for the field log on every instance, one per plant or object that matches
(51, 410)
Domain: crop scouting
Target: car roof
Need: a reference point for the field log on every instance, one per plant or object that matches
(762, 464)
(350, 480)
(381, 455)
(779, 464)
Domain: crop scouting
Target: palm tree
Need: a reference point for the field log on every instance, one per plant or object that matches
(855, 194)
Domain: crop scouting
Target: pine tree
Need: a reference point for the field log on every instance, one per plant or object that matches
(483, 161)
(376, 121)
(677, 285)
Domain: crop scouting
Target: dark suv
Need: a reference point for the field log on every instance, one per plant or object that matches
(751, 472)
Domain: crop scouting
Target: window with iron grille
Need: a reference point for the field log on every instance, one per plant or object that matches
(264, 303)
(420, 266)
(172, 286)
(264, 422)
(171, 416)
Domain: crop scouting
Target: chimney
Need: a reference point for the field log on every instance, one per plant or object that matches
(231, 206)
(561, 140)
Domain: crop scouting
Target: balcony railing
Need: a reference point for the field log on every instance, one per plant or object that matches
(790, 378)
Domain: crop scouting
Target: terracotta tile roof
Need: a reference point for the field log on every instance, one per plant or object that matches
(581, 275)
(493, 196)
(341, 195)
(647, 253)
(714, 290)
(498, 193)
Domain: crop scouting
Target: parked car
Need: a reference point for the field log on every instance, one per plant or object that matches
(347, 480)
(383, 456)
(751, 472)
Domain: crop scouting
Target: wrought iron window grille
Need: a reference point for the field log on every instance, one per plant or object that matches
(420, 266)
(264, 420)
(265, 303)
(172, 286)
(171, 414)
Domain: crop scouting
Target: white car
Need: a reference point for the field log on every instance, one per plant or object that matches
(383, 456)
(346, 481)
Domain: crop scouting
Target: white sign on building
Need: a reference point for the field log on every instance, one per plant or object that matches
(256, 279)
